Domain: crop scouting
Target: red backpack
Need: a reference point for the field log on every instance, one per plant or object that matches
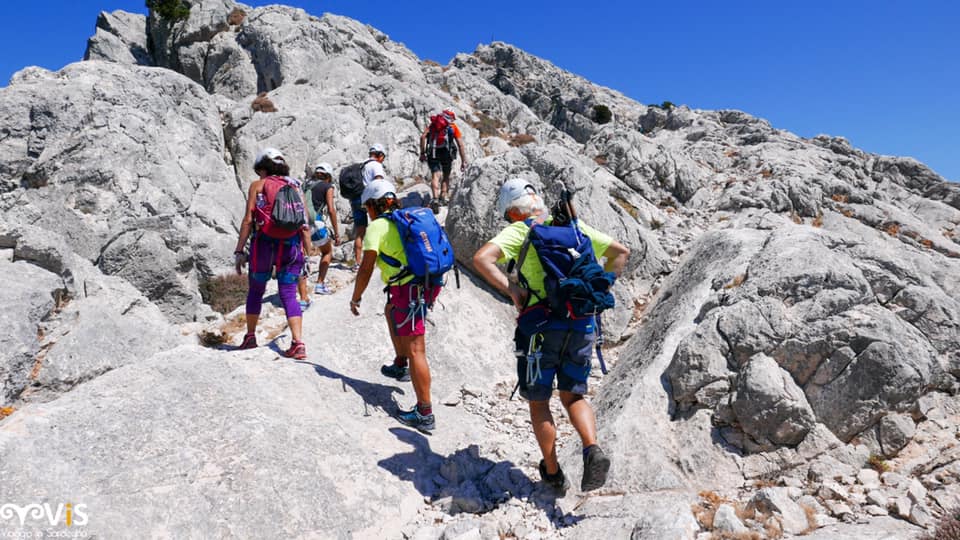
(280, 212)
(440, 136)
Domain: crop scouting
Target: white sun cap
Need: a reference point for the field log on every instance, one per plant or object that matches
(272, 154)
(377, 148)
(377, 189)
(510, 191)
(324, 168)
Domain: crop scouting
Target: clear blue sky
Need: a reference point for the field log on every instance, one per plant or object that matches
(884, 74)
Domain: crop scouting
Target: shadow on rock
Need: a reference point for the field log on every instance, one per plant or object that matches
(465, 482)
(373, 394)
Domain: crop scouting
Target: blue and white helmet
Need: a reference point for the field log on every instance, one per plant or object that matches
(510, 191)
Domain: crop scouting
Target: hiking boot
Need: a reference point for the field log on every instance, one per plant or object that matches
(322, 288)
(297, 351)
(414, 419)
(400, 373)
(595, 467)
(557, 481)
(249, 342)
(435, 206)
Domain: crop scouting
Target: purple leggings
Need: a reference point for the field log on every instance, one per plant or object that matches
(265, 254)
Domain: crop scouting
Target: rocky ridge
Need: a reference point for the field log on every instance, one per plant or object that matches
(788, 315)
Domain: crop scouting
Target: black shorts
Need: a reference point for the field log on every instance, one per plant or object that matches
(440, 161)
(566, 358)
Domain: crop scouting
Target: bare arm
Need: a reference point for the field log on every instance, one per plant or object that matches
(617, 255)
(332, 210)
(423, 141)
(485, 263)
(363, 279)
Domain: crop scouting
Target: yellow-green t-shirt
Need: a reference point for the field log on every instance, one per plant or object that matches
(510, 241)
(383, 237)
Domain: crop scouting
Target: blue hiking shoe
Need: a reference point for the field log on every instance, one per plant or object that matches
(414, 419)
(394, 371)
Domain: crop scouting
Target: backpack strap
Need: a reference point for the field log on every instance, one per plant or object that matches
(521, 257)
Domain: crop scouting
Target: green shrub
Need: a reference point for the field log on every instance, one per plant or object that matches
(170, 10)
(602, 114)
(667, 105)
(224, 293)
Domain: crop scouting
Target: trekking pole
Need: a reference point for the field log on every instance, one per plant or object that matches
(603, 365)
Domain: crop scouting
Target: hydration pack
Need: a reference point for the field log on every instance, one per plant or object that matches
(425, 243)
(575, 283)
(441, 136)
(282, 213)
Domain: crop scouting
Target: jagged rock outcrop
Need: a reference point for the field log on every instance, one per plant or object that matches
(790, 308)
(105, 153)
(121, 37)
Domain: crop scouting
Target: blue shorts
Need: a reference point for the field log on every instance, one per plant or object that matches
(359, 213)
(565, 356)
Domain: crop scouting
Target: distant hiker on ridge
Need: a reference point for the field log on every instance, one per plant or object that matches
(556, 330)
(320, 197)
(413, 271)
(353, 179)
(439, 144)
(276, 223)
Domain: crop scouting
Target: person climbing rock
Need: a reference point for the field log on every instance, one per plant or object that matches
(439, 144)
(408, 297)
(320, 196)
(353, 179)
(551, 345)
(275, 224)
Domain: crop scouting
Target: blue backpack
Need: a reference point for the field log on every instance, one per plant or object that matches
(576, 285)
(425, 243)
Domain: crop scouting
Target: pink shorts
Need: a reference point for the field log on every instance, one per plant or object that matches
(408, 320)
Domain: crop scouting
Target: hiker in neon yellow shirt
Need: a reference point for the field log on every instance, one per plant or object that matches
(406, 323)
(566, 345)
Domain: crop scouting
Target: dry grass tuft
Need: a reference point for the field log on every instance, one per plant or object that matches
(224, 293)
(601, 159)
(766, 173)
(892, 229)
(948, 528)
(811, 514)
(236, 16)
(631, 209)
(431, 63)
(263, 104)
(847, 212)
(485, 124)
(731, 153)
(840, 198)
(927, 243)
(877, 463)
(521, 139)
(796, 218)
(734, 283)
(818, 221)
(6, 411)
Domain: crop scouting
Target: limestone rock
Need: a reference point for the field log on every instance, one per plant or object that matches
(121, 37)
(725, 520)
(896, 430)
(775, 500)
(769, 405)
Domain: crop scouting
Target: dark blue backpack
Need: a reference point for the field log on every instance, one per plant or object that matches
(425, 243)
(576, 285)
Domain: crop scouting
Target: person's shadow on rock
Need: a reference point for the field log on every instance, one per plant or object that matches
(373, 394)
(465, 482)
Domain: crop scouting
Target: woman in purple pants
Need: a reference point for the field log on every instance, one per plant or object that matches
(269, 252)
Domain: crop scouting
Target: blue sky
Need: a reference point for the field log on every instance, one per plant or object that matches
(884, 74)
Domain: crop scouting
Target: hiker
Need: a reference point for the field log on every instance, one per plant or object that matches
(550, 345)
(439, 144)
(353, 179)
(275, 222)
(409, 294)
(321, 198)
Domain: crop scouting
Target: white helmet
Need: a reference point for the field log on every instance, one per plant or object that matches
(324, 168)
(272, 154)
(377, 189)
(510, 191)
